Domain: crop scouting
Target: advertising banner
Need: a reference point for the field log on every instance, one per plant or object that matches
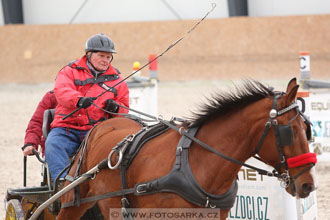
(320, 117)
(262, 198)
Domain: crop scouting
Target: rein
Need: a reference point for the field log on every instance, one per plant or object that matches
(278, 130)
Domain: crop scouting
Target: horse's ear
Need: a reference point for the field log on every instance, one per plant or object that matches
(291, 91)
(292, 83)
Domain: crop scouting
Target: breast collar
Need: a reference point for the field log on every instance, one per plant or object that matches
(181, 181)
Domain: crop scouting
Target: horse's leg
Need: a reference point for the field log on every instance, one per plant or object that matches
(74, 212)
(224, 214)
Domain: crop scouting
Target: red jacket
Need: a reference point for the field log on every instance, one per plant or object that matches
(33, 133)
(75, 81)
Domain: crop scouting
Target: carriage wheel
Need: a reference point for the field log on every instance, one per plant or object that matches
(14, 210)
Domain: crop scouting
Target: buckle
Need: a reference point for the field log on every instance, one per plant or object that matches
(124, 202)
(124, 211)
(141, 188)
(130, 138)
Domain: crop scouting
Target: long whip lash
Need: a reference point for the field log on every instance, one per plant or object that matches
(167, 49)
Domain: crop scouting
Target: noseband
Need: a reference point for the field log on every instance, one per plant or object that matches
(284, 137)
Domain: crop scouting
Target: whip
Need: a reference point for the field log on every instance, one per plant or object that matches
(152, 60)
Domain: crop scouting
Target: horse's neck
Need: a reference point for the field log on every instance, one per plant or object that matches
(229, 137)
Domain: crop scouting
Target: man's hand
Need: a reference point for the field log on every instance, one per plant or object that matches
(27, 150)
(111, 106)
(85, 102)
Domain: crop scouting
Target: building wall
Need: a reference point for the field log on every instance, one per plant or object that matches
(285, 7)
(96, 11)
(228, 48)
(63, 11)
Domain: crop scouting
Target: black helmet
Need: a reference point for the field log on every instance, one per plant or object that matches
(100, 42)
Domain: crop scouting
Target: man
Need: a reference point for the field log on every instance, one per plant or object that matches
(78, 85)
(33, 134)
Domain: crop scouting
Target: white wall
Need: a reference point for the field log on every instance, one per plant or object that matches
(287, 7)
(2, 20)
(62, 11)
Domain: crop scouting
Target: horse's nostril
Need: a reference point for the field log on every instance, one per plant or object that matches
(308, 187)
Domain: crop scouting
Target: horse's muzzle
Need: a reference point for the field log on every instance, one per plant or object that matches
(300, 190)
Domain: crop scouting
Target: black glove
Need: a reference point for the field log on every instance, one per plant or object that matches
(85, 102)
(111, 106)
(26, 145)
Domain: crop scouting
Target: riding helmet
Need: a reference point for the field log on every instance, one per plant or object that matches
(100, 42)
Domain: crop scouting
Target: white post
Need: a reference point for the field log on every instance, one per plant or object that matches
(304, 68)
(144, 90)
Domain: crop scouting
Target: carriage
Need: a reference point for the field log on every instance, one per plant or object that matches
(22, 202)
(181, 163)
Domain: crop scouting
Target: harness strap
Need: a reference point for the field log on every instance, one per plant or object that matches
(261, 140)
(303, 171)
(82, 148)
(100, 197)
(278, 145)
(76, 195)
(292, 106)
(140, 138)
(184, 143)
(124, 200)
(277, 133)
(207, 147)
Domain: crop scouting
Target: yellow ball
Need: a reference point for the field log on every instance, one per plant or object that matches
(136, 65)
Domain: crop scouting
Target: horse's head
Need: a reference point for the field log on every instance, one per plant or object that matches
(285, 145)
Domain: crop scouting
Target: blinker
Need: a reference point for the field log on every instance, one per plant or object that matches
(308, 123)
(308, 132)
(286, 135)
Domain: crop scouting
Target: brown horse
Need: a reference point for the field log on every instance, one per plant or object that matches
(232, 124)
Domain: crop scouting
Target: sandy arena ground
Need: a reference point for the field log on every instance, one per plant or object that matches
(19, 101)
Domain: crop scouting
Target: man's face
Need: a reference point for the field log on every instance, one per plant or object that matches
(101, 60)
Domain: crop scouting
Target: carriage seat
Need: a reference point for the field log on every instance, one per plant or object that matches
(47, 120)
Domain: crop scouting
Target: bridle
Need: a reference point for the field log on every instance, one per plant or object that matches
(284, 138)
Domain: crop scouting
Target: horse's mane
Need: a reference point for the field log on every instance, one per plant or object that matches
(226, 102)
